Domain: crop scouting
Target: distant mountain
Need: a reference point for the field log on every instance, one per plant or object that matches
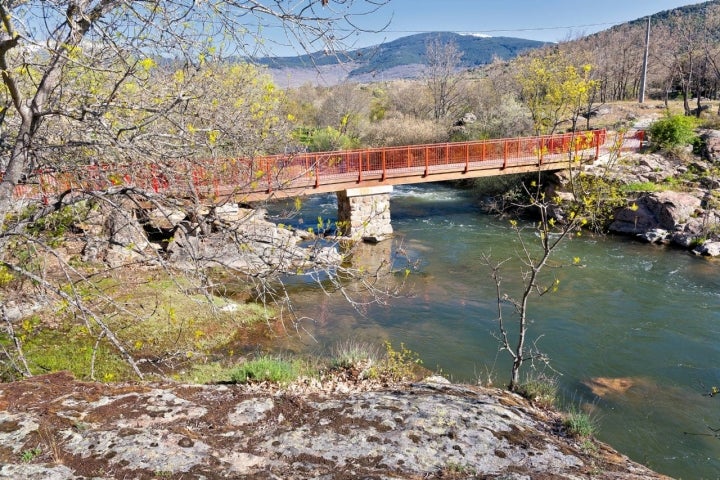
(400, 58)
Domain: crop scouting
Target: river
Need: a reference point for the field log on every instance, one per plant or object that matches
(632, 333)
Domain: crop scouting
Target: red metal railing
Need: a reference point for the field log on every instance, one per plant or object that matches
(325, 171)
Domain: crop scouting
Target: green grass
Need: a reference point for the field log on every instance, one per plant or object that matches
(640, 187)
(154, 317)
(267, 368)
(579, 424)
(539, 389)
(70, 348)
(205, 373)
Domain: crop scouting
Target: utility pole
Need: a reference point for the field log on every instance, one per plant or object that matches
(643, 79)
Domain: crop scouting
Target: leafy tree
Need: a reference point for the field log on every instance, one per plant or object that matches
(113, 44)
(379, 105)
(554, 90)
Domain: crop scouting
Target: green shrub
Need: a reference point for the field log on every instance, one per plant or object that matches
(329, 139)
(598, 199)
(267, 369)
(398, 365)
(673, 131)
(29, 455)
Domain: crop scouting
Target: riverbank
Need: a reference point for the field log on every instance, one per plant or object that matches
(56, 427)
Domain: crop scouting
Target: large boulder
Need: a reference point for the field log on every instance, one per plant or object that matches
(638, 168)
(164, 217)
(250, 245)
(711, 145)
(661, 210)
(709, 249)
(328, 430)
(113, 233)
(687, 235)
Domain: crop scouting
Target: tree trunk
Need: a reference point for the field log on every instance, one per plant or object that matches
(699, 106)
(19, 160)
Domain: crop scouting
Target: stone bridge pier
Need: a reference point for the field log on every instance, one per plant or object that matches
(364, 213)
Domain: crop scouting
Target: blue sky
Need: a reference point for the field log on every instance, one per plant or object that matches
(546, 20)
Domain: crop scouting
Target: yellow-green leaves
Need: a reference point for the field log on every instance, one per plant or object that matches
(6, 276)
(146, 64)
(179, 76)
(553, 89)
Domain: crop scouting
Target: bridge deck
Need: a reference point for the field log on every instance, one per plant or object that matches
(310, 173)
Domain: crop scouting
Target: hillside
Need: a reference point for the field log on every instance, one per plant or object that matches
(684, 55)
(400, 58)
(696, 11)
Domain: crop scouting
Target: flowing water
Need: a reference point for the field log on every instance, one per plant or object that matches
(633, 332)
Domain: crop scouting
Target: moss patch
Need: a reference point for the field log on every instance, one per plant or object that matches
(162, 321)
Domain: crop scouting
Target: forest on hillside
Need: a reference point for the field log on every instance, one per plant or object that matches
(683, 55)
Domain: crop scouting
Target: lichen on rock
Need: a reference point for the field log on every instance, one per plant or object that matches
(409, 431)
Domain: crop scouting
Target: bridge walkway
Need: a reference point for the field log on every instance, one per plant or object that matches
(256, 179)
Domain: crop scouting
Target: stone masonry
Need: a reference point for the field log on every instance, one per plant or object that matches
(364, 213)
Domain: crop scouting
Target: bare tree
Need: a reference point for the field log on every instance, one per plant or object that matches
(441, 76)
(45, 43)
(552, 234)
(556, 223)
(347, 109)
(137, 86)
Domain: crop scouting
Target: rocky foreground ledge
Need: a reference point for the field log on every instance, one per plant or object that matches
(54, 427)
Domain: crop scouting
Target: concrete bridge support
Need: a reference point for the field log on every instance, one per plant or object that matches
(364, 213)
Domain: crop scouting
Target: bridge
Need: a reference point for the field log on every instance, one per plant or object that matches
(363, 178)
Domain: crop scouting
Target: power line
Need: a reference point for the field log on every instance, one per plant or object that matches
(532, 29)
(495, 30)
